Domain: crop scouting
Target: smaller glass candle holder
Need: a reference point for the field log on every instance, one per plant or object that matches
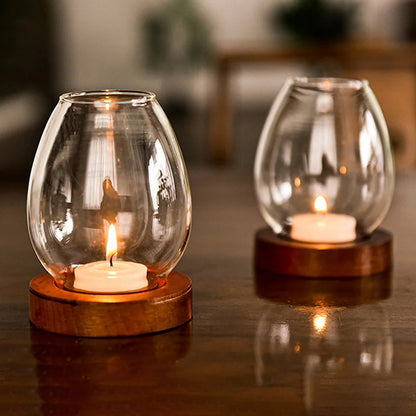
(109, 206)
(324, 171)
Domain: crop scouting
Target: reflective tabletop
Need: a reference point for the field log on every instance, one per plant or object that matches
(257, 344)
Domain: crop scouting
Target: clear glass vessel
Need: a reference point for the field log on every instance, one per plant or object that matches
(324, 168)
(109, 206)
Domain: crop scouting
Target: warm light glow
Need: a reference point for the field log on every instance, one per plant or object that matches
(326, 84)
(320, 204)
(297, 348)
(319, 322)
(343, 170)
(108, 101)
(111, 242)
(297, 182)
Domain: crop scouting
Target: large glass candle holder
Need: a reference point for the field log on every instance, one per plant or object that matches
(109, 207)
(324, 171)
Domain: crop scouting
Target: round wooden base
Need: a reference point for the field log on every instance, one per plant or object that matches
(358, 258)
(114, 315)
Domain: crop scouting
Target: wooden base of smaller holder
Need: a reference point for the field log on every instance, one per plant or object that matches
(281, 256)
(114, 315)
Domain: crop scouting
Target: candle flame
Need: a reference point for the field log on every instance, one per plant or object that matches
(111, 243)
(319, 322)
(320, 204)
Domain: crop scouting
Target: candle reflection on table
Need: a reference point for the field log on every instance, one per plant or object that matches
(325, 349)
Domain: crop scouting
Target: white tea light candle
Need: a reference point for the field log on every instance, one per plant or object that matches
(111, 276)
(323, 227)
(101, 277)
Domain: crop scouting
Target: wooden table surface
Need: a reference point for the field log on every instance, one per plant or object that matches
(242, 354)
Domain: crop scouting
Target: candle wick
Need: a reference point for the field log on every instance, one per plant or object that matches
(111, 259)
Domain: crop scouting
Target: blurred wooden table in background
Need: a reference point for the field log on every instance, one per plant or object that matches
(389, 67)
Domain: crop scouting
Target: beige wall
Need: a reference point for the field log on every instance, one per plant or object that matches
(98, 41)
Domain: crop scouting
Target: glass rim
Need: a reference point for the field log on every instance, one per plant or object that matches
(329, 83)
(104, 96)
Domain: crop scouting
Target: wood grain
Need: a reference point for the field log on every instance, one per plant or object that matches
(297, 290)
(288, 257)
(231, 359)
(89, 315)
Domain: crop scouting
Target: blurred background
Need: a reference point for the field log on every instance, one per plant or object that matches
(175, 48)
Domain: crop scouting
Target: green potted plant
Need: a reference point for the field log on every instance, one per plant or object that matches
(177, 42)
(314, 21)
